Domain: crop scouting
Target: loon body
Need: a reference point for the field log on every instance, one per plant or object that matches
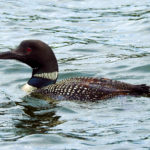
(40, 57)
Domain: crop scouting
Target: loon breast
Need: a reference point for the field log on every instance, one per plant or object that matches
(28, 88)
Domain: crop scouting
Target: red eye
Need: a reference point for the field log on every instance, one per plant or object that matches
(29, 50)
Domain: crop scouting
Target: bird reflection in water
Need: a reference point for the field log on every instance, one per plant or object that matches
(38, 116)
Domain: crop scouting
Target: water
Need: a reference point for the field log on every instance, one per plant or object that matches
(90, 38)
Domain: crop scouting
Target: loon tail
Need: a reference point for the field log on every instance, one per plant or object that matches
(141, 90)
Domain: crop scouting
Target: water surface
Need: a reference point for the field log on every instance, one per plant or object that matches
(90, 38)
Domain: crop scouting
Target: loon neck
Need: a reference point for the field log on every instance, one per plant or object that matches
(40, 80)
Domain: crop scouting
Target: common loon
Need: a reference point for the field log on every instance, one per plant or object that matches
(40, 57)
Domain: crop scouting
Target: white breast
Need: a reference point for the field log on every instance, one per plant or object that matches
(28, 88)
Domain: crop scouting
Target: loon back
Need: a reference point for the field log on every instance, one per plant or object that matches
(40, 57)
(90, 89)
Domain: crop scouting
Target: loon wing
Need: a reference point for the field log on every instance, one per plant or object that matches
(90, 89)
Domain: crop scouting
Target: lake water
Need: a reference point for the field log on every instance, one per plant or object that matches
(97, 38)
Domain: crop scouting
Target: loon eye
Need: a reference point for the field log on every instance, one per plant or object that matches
(29, 50)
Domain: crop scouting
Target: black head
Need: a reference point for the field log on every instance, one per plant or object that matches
(34, 53)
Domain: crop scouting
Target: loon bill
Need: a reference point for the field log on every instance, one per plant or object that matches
(40, 57)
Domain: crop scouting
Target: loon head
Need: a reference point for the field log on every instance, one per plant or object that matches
(40, 57)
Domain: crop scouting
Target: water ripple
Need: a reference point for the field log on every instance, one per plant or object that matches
(90, 38)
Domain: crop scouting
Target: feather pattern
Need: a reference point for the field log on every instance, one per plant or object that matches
(90, 89)
(52, 75)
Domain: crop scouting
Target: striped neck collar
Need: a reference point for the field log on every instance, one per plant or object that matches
(43, 79)
(50, 75)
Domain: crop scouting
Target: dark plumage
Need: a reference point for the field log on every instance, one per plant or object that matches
(90, 89)
(41, 58)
